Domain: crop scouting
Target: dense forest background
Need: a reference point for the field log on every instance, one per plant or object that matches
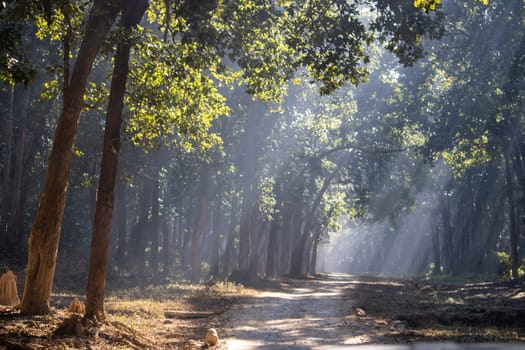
(403, 155)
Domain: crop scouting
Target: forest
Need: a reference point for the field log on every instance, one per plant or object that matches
(144, 143)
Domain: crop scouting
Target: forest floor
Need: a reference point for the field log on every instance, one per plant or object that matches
(331, 311)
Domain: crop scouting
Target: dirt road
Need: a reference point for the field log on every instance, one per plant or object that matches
(341, 311)
(303, 315)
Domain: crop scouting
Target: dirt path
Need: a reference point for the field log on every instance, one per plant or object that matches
(339, 311)
(303, 315)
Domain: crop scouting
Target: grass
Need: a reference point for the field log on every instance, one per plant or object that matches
(144, 308)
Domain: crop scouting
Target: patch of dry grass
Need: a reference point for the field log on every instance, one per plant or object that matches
(144, 309)
(135, 318)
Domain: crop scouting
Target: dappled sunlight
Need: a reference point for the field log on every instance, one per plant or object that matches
(357, 339)
(297, 316)
(336, 313)
(244, 344)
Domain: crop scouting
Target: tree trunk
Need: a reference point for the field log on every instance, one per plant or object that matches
(137, 258)
(6, 176)
(256, 237)
(45, 232)
(297, 240)
(155, 229)
(307, 254)
(132, 12)
(215, 240)
(301, 253)
(448, 260)
(93, 191)
(273, 248)
(198, 230)
(313, 261)
(437, 250)
(167, 250)
(286, 246)
(226, 268)
(122, 225)
(187, 236)
(178, 237)
(19, 165)
(514, 258)
(250, 144)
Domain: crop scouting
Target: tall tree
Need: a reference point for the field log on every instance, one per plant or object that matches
(45, 232)
(132, 12)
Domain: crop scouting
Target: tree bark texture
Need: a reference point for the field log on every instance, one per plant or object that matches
(45, 232)
(132, 13)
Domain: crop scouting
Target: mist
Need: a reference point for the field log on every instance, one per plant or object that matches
(404, 159)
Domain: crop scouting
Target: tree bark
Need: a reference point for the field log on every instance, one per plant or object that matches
(122, 225)
(313, 261)
(155, 228)
(138, 256)
(19, 164)
(215, 240)
(167, 251)
(200, 224)
(249, 167)
(436, 248)
(132, 13)
(301, 253)
(45, 232)
(513, 241)
(6, 176)
(448, 260)
(273, 248)
(226, 268)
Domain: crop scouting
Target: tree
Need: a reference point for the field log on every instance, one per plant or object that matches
(132, 12)
(45, 232)
(210, 32)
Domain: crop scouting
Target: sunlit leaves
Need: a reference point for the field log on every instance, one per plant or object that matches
(61, 22)
(430, 5)
(466, 154)
(52, 29)
(426, 5)
(172, 93)
(50, 90)
(97, 95)
(258, 40)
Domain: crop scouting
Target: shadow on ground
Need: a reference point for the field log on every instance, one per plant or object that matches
(338, 311)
